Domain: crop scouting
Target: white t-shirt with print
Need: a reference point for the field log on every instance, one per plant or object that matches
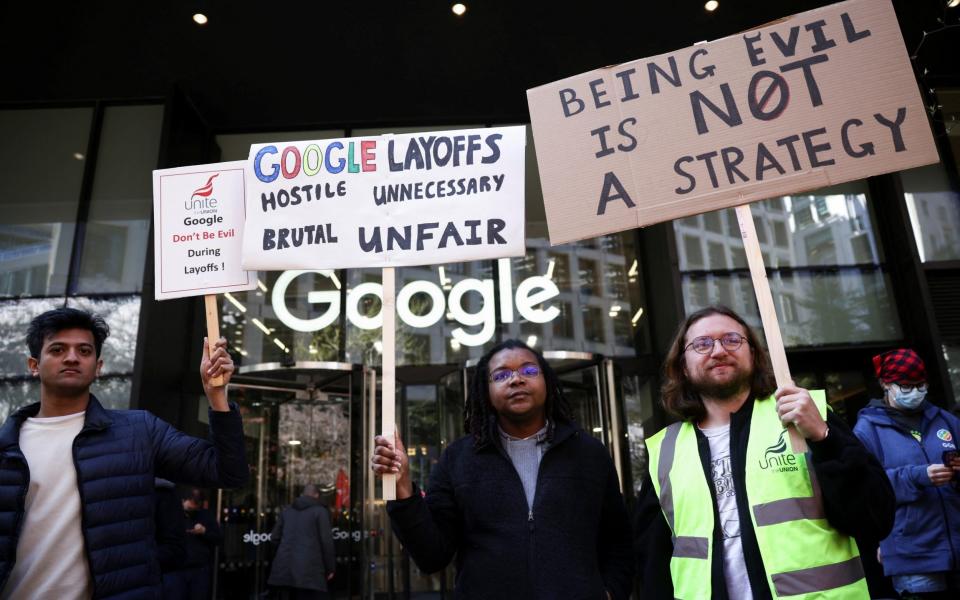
(734, 566)
(51, 561)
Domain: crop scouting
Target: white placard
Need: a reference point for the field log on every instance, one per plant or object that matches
(386, 201)
(198, 217)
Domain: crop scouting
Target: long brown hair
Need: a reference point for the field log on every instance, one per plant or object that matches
(677, 393)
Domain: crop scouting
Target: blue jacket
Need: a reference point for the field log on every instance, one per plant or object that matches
(926, 532)
(116, 455)
(574, 543)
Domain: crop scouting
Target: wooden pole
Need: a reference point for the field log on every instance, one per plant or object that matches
(213, 329)
(768, 313)
(389, 365)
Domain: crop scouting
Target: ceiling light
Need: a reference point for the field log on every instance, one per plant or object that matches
(458, 9)
(711, 5)
(294, 442)
(636, 316)
(532, 341)
(261, 285)
(78, 156)
(281, 345)
(953, 3)
(200, 18)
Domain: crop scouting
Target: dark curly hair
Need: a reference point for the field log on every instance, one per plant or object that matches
(46, 324)
(677, 394)
(479, 418)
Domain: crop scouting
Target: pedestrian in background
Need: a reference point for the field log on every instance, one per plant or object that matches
(917, 444)
(193, 579)
(305, 562)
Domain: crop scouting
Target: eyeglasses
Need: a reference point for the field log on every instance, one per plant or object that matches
(906, 388)
(704, 344)
(527, 371)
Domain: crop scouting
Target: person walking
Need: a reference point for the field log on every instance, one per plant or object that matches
(917, 444)
(305, 562)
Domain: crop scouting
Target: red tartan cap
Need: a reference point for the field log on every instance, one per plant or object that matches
(902, 365)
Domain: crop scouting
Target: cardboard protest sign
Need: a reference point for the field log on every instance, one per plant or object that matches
(815, 99)
(198, 216)
(386, 201)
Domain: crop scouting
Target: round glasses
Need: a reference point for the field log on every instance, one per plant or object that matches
(527, 371)
(704, 344)
(907, 388)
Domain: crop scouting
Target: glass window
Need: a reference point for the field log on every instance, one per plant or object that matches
(122, 314)
(934, 208)
(43, 152)
(839, 295)
(121, 203)
(15, 316)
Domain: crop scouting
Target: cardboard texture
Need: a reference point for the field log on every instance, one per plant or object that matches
(816, 99)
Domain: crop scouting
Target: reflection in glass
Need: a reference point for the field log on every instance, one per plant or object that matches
(117, 231)
(934, 209)
(122, 314)
(848, 306)
(37, 211)
(15, 317)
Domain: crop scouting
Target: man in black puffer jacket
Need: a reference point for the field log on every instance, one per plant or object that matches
(77, 480)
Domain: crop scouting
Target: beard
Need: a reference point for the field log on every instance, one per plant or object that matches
(721, 390)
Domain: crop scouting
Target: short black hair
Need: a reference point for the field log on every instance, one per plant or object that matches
(53, 321)
(479, 415)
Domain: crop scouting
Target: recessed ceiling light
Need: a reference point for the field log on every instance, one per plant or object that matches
(459, 8)
(78, 156)
(711, 5)
(200, 19)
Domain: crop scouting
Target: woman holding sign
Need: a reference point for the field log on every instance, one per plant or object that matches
(528, 502)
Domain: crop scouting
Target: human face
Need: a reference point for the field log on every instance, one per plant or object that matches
(518, 399)
(68, 362)
(719, 374)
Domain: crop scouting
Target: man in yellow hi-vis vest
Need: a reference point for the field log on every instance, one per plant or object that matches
(728, 510)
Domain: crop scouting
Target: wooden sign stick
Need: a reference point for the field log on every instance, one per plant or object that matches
(768, 314)
(389, 370)
(213, 329)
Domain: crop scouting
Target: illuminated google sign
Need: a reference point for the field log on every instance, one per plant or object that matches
(528, 299)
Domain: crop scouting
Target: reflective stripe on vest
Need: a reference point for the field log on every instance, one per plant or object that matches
(804, 557)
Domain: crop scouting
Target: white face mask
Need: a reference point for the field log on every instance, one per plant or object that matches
(907, 400)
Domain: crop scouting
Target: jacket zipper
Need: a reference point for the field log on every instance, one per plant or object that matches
(943, 508)
(83, 519)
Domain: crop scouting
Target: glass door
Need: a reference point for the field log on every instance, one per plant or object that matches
(299, 431)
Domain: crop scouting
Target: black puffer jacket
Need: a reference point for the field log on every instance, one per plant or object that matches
(574, 543)
(305, 555)
(117, 454)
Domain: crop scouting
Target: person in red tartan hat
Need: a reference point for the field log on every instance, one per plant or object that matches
(916, 442)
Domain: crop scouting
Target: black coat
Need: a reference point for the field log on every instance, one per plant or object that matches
(171, 527)
(305, 555)
(857, 499)
(574, 543)
(116, 455)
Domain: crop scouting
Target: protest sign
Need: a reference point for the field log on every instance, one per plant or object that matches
(386, 201)
(815, 99)
(198, 215)
(819, 98)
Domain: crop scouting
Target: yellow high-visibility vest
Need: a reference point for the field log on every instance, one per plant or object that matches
(804, 557)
